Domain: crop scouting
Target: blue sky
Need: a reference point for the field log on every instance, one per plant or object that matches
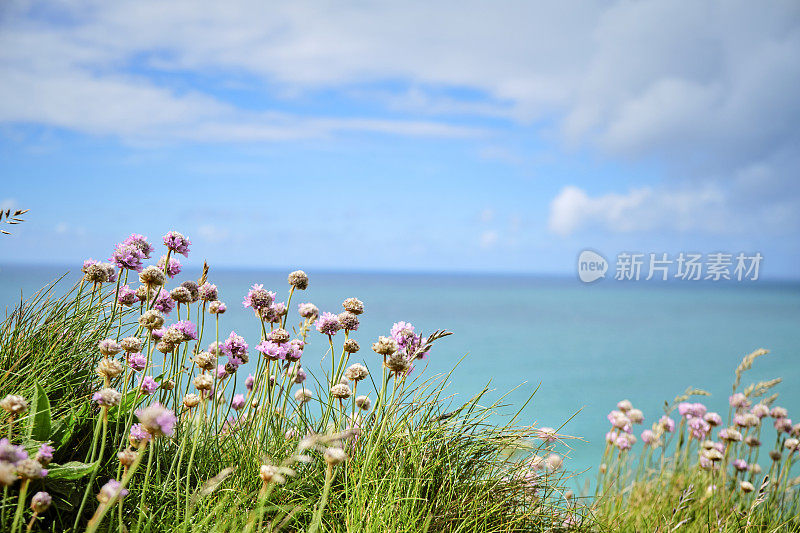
(465, 136)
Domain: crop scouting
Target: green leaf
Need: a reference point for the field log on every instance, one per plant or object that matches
(39, 419)
(71, 470)
(63, 429)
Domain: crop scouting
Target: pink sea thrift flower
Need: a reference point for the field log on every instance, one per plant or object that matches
(328, 324)
(148, 384)
(127, 296)
(177, 243)
(238, 401)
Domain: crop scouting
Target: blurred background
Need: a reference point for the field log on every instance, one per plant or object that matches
(444, 162)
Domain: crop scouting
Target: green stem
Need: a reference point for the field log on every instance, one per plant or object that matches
(323, 502)
(23, 491)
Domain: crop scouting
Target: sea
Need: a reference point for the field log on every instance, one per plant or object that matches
(580, 347)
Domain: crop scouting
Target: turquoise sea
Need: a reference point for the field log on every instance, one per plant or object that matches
(585, 346)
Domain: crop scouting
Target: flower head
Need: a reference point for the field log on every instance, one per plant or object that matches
(148, 385)
(127, 256)
(217, 308)
(107, 397)
(152, 276)
(10, 453)
(164, 302)
(45, 454)
(14, 404)
(666, 424)
(109, 368)
(127, 296)
(109, 347)
(328, 324)
(207, 292)
(177, 243)
(299, 280)
(151, 319)
(111, 491)
(308, 310)
(235, 346)
(238, 401)
(356, 372)
(157, 419)
(258, 298)
(41, 502)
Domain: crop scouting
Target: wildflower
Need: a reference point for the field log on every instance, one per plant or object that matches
(107, 397)
(385, 346)
(649, 438)
(279, 335)
(41, 502)
(740, 465)
(139, 434)
(140, 242)
(747, 420)
(235, 346)
(291, 434)
(300, 376)
(398, 363)
(168, 384)
(238, 401)
(547, 434)
(730, 435)
(303, 395)
(635, 416)
(738, 401)
(148, 385)
(127, 256)
(14, 405)
(164, 302)
(294, 350)
(328, 324)
(778, 412)
(775, 455)
(109, 347)
(144, 293)
(752, 441)
(151, 319)
(351, 346)
(334, 455)
(666, 424)
(353, 305)
(204, 361)
(194, 290)
(165, 347)
(619, 420)
(274, 474)
(152, 276)
(299, 280)
(45, 454)
(623, 442)
(191, 400)
(222, 372)
(624, 406)
(126, 457)
(356, 372)
(111, 491)
(217, 308)
(187, 330)
(691, 410)
(363, 403)
(755, 468)
(10, 453)
(109, 368)
(8, 474)
(553, 462)
(783, 425)
(796, 430)
(713, 455)
(94, 272)
(341, 391)
(207, 292)
(348, 320)
(127, 296)
(792, 444)
(30, 469)
(760, 410)
(203, 382)
(699, 428)
(250, 382)
(746, 487)
(131, 344)
(157, 419)
(713, 419)
(271, 350)
(308, 310)
(181, 295)
(258, 298)
(177, 243)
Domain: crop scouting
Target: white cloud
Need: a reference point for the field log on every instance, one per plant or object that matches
(629, 77)
(487, 215)
(488, 239)
(643, 209)
(212, 233)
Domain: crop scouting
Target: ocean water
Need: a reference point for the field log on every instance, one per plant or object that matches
(584, 346)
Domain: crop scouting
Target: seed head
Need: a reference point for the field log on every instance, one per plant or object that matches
(152, 276)
(308, 310)
(157, 419)
(341, 391)
(181, 295)
(356, 372)
(334, 455)
(348, 320)
(126, 457)
(208, 292)
(398, 363)
(109, 347)
(351, 346)
(775, 455)
(624, 406)
(205, 361)
(203, 382)
(14, 405)
(151, 319)
(217, 308)
(191, 400)
(193, 289)
(303, 395)
(299, 280)
(635, 416)
(95, 273)
(385, 346)
(131, 344)
(363, 403)
(353, 305)
(107, 397)
(746, 487)
(109, 368)
(279, 336)
(271, 474)
(30, 469)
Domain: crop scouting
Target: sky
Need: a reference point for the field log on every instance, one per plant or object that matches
(411, 136)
